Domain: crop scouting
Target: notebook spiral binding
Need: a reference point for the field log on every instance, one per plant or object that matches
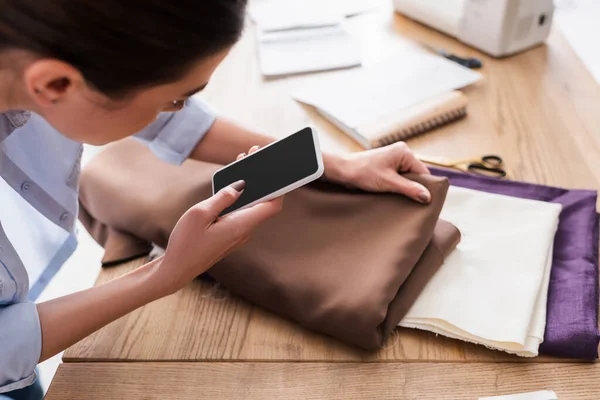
(424, 127)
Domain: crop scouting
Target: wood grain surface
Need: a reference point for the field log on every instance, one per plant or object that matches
(204, 322)
(416, 381)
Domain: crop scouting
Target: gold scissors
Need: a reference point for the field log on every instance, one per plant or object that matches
(489, 165)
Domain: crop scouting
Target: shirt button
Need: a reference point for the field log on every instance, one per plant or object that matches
(64, 217)
(25, 186)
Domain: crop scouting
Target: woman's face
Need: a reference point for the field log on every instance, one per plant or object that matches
(87, 116)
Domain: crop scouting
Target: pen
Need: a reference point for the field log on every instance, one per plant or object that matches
(470, 62)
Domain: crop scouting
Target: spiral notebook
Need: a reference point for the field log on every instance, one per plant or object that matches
(413, 121)
(395, 100)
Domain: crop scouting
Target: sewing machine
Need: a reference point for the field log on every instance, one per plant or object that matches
(497, 27)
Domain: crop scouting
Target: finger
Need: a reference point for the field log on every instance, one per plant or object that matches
(240, 156)
(253, 149)
(278, 202)
(215, 205)
(413, 164)
(399, 184)
(248, 219)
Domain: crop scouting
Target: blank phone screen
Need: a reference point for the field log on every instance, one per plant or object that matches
(273, 168)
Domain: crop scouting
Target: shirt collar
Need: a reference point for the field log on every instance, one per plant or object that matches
(14, 120)
(18, 118)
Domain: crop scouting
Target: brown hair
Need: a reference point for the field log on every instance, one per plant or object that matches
(122, 45)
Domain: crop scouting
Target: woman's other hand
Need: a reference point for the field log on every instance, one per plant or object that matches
(379, 170)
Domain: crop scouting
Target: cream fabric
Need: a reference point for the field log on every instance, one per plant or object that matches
(492, 289)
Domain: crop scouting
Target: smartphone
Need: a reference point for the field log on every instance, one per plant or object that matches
(273, 170)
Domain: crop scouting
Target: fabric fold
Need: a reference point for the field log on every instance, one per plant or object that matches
(445, 239)
(341, 262)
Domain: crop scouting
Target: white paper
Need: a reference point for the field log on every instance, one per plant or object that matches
(578, 20)
(543, 395)
(492, 290)
(285, 14)
(306, 50)
(360, 96)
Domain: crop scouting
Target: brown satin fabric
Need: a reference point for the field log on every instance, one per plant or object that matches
(346, 263)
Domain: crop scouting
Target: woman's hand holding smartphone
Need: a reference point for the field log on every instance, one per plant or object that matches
(213, 228)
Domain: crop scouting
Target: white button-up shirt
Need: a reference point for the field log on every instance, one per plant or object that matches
(38, 209)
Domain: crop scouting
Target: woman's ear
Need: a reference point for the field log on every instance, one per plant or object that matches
(50, 81)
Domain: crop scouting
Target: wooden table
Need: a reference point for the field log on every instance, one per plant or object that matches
(539, 110)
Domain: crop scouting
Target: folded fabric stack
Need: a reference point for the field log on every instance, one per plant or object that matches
(355, 265)
(571, 326)
(492, 289)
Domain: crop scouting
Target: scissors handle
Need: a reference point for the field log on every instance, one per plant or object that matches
(492, 161)
(481, 169)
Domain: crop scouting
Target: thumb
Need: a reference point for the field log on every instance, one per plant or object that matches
(412, 189)
(224, 198)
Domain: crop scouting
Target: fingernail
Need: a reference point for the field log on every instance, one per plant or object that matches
(239, 185)
(424, 197)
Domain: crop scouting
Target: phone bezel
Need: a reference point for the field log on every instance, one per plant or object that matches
(316, 175)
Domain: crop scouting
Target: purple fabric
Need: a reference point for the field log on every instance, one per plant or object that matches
(572, 318)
